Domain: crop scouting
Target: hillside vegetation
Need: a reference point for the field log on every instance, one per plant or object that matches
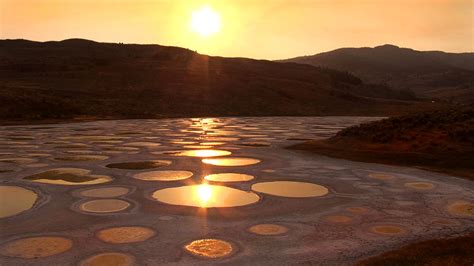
(440, 140)
(434, 75)
(75, 78)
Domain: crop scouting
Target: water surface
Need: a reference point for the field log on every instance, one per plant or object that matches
(14, 200)
(205, 196)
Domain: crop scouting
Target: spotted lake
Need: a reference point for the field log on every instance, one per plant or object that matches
(192, 191)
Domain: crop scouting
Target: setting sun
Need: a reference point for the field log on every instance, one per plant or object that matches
(205, 21)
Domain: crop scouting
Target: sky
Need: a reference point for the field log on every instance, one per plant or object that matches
(265, 29)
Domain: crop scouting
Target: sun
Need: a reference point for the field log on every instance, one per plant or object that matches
(205, 21)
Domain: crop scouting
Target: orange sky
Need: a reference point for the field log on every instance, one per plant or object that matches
(271, 29)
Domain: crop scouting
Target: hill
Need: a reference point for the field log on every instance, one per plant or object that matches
(440, 140)
(71, 78)
(433, 74)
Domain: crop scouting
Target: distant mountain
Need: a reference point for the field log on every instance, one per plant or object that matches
(84, 78)
(432, 74)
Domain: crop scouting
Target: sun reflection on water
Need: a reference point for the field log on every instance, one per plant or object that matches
(205, 196)
(204, 193)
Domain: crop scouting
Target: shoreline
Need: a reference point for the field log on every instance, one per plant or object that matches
(23, 122)
(441, 163)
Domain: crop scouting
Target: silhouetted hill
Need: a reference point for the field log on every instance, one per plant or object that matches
(84, 78)
(432, 74)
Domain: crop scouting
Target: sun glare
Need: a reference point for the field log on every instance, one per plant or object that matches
(205, 21)
(204, 192)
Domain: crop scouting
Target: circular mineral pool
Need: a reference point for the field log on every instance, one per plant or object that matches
(104, 205)
(120, 148)
(143, 144)
(255, 144)
(105, 192)
(381, 176)
(290, 189)
(229, 177)
(203, 153)
(36, 247)
(183, 142)
(125, 234)
(235, 161)
(14, 200)
(338, 219)
(462, 208)
(109, 259)
(168, 175)
(82, 158)
(209, 248)
(139, 165)
(215, 143)
(18, 160)
(205, 196)
(420, 185)
(68, 176)
(197, 147)
(268, 229)
(387, 230)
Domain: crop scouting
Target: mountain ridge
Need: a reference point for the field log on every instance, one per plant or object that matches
(434, 75)
(77, 77)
